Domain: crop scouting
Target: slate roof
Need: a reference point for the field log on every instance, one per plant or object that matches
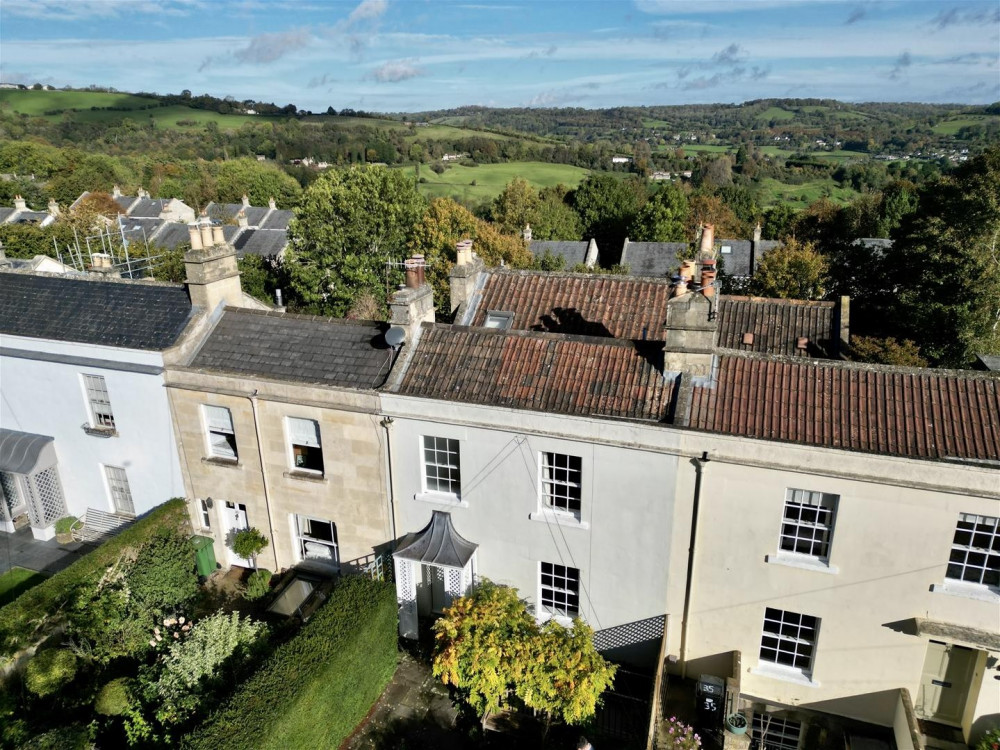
(915, 413)
(131, 315)
(631, 307)
(277, 219)
(125, 201)
(303, 348)
(149, 208)
(777, 324)
(539, 371)
(172, 234)
(227, 212)
(737, 261)
(134, 227)
(652, 258)
(5, 212)
(572, 253)
(30, 217)
(988, 362)
(263, 242)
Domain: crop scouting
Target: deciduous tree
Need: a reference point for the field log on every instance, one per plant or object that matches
(663, 218)
(793, 270)
(350, 224)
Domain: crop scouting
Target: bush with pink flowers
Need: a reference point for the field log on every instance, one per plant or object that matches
(680, 736)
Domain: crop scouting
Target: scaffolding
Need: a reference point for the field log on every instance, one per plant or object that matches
(127, 248)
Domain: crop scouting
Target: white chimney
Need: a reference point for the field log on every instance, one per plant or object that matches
(206, 233)
(116, 192)
(218, 236)
(241, 218)
(53, 207)
(271, 204)
(527, 233)
(195, 236)
(246, 200)
(19, 203)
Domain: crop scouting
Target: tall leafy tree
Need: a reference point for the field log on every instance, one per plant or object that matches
(792, 270)
(259, 181)
(516, 206)
(555, 218)
(607, 207)
(663, 218)
(443, 225)
(350, 224)
(945, 265)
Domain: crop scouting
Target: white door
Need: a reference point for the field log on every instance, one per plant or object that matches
(235, 519)
(944, 684)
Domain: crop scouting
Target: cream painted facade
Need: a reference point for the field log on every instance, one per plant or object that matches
(351, 492)
(892, 536)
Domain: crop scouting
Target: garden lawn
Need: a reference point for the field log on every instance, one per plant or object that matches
(491, 179)
(16, 581)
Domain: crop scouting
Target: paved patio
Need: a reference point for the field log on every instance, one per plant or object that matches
(414, 712)
(22, 550)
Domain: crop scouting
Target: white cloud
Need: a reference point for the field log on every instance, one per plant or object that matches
(367, 10)
(396, 71)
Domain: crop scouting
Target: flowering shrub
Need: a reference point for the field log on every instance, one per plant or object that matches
(990, 741)
(681, 736)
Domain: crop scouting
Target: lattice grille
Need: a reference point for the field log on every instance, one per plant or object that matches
(11, 497)
(629, 634)
(406, 597)
(49, 496)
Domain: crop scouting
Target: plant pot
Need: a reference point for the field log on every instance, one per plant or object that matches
(736, 723)
(66, 538)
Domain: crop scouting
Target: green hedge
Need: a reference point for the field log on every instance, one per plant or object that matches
(37, 611)
(316, 688)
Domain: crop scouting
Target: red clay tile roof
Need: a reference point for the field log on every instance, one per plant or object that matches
(894, 411)
(630, 307)
(539, 371)
(777, 325)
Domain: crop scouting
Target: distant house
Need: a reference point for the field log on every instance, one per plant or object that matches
(21, 214)
(454, 157)
(572, 253)
(621, 159)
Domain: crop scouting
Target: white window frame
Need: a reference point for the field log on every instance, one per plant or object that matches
(102, 416)
(974, 559)
(290, 433)
(118, 485)
(560, 590)
(558, 493)
(790, 632)
(219, 433)
(443, 448)
(302, 539)
(500, 320)
(808, 519)
(788, 732)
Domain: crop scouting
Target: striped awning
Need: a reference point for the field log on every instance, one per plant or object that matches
(25, 452)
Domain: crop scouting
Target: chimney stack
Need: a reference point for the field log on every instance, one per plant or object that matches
(690, 335)
(527, 233)
(116, 192)
(53, 207)
(101, 264)
(213, 277)
(413, 303)
(241, 218)
(271, 204)
(142, 193)
(19, 204)
(464, 278)
(707, 245)
(246, 200)
(757, 234)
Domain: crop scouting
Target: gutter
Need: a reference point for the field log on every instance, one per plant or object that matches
(386, 423)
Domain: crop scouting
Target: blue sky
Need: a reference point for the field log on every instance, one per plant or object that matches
(409, 55)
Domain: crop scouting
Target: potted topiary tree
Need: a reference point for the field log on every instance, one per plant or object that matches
(248, 543)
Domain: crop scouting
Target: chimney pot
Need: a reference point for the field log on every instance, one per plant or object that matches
(687, 269)
(707, 245)
(680, 286)
(195, 236)
(412, 274)
(206, 234)
(421, 266)
(218, 236)
(708, 278)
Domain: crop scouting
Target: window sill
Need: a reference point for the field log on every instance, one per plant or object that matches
(308, 476)
(441, 498)
(565, 620)
(104, 432)
(563, 519)
(785, 674)
(967, 590)
(220, 461)
(803, 562)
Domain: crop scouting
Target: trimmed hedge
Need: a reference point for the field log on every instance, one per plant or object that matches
(316, 688)
(36, 612)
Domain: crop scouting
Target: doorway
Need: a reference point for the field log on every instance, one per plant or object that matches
(235, 519)
(945, 682)
(430, 591)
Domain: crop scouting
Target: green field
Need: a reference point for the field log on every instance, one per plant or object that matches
(776, 113)
(490, 179)
(773, 192)
(38, 102)
(952, 126)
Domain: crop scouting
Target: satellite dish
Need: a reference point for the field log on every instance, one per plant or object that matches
(395, 336)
